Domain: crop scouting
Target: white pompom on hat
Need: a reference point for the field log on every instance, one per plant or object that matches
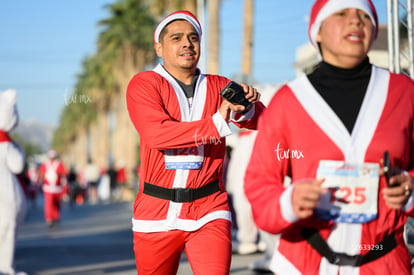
(322, 9)
(178, 15)
(52, 154)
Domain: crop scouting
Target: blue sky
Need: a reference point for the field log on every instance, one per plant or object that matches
(43, 44)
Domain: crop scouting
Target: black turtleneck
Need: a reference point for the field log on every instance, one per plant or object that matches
(342, 89)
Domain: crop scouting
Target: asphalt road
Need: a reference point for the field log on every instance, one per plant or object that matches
(90, 240)
(95, 240)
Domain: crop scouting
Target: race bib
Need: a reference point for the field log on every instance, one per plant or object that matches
(184, 158)
(352, 195)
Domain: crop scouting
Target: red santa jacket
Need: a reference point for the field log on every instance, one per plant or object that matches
(297, 131)
(174, 137)
(53, 172)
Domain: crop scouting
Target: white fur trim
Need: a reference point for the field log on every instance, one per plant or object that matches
(345, 245)
(148, 226)
(173, 17)
(286, 205)
(222, 126)
(245, 117)
(281, 266)
(354, 147)
(53, 189)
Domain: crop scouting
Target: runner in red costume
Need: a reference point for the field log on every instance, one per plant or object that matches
(53, 175)
(328, 132)
(182, 123)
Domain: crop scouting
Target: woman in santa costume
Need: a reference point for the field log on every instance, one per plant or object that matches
(53, 175)
(328, 132)
(182, 123)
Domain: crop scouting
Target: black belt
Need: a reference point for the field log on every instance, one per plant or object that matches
(181, 194)
(313, 237)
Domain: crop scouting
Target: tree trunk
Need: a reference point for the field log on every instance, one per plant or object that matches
(163, 7)
(125, 138)
(99, 145)
(213, 36)
(77, 153)
(247, 51)
(191, 6)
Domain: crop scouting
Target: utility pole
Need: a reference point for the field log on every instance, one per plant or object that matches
(396, 56)
(213, 36)
(247, 50)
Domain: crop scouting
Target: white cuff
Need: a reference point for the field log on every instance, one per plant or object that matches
(286, 207)
(222, 126)
(244, 117)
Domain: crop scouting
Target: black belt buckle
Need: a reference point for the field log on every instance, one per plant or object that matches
(182, 195)
(345, 259)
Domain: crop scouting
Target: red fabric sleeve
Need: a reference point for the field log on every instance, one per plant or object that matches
(61, 170)
(251, 123)
(148, 105)
(265, 173)
(402, 82)
(42, 171)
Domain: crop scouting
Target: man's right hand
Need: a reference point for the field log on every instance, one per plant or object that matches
(251, 94)
(306, 196)
(226, 107)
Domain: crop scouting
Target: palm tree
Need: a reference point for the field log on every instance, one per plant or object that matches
(124, 47)
(78, 114)
(127, 34)
(160, 8)
(127, 39)
(101, 86)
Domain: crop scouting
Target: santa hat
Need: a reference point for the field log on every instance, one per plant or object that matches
(52, 154)
(178, 15)
(324, 8)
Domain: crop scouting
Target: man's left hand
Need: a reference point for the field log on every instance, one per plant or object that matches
(252, 95)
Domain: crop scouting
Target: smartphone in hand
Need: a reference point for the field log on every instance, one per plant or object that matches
(234, 93)
(387, 168)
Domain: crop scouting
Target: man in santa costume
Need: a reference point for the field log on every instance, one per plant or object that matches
(328, 131)
(182, 123)
(53, 175)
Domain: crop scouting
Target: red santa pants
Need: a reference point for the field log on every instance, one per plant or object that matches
(208, 250)
(52, 207)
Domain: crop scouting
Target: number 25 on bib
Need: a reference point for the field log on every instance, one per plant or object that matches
(352, 195)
